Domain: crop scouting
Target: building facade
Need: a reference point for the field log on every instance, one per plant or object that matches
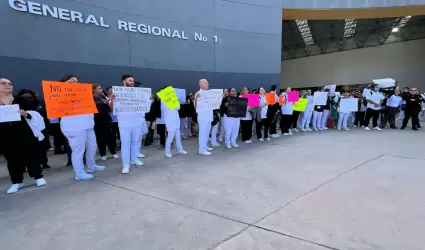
(232, 43)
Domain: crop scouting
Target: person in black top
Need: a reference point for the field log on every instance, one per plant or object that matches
(413, 107)
(103, 124)
(32, 104)
(18, 141)
(326, 110)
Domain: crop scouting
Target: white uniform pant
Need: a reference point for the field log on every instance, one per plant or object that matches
(130, 143)
(231, 125)
(182, 126)
(325, 117)
(342, 120)
(305, 122)
(222, 131)
(173, 134)
(214, 130)
(204, 126)
(82, 141)
(317, 119)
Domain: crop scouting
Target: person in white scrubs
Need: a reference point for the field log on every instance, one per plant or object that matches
(205, 118)
(231, 124)
(305, 122)
(326, 110)
(80, 134)
(171, 119)
(342, 116)
(130, 133)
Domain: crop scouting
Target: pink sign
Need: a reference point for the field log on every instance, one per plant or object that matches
(293, 96)
(253, 99)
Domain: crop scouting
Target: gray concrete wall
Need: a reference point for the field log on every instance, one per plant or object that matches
(401, 61)
(247, 52)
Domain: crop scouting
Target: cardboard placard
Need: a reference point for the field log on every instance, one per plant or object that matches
(131, 99)
(320, 98)
(348, 105)
(181, 95)
(271, 98)
(293, 96)
(301, 105)
(169, 97)
(209, 100)
(68, 99)
(237, 107)
(253, 99)
(9, 113)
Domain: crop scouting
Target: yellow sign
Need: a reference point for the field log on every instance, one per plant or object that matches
(169, 97)
(301, 105)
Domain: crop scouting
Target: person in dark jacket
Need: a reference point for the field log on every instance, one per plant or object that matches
(18, 141)
(42, 146)
(413, 101)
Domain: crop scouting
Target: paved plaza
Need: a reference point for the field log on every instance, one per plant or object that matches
(318, 190)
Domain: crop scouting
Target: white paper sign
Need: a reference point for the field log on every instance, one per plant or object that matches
(181, 95)
(9, 113)
(209, 100)
(332, 88)
(385, 83)
(348, 105)
(320, 98)
(131, 99)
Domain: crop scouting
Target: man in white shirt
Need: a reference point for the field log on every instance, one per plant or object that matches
(393, 104)
(205, 118)
(374, 101)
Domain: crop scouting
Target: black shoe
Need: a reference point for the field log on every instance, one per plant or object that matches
(419, 126)
(46, 167)
(402, 127)
(393, 127)
(69, 164)
(415, 129)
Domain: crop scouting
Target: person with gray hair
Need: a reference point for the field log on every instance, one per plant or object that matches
(205, 118)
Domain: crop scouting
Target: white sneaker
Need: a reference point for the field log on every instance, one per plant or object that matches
(339, 129)
(209, 149)
(309, 129)
(267, 139)
(116, 156)
(125, 169)
(304, 130)
(261, 139)
(377, 128)
(354, 126)
(346, 129)
(367, 128)
(315, 129)
(321, 129)
(286, 134)
(138, 162)
(14, 188)
(290, 133)
(95, 169)
(325, 128)
(220, 139)
(141, 155)
(83, 177)
(205, 153)
(103, 158)
(228, 146)
(362, 126)
(40, 182)
(216, 145)
(184, 137)
(168, 155)
(295, 130)
(234, 145)
(275, 136)
(182, 152)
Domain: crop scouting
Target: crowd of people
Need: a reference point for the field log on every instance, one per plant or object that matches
(81, 136)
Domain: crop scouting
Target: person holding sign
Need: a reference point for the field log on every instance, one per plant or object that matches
(305, 122)
(129, 124)
(79, 131)
(205, 117)
(170, 116)
(286, 118)
(374, 101)
(342, 112)
(17, 138)
(263, 121)
(231, 124)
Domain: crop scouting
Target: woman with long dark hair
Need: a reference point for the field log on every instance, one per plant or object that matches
(17, 138)
(231, 124)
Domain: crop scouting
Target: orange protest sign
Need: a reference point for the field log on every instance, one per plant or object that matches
(282, 100)
(271, 98)
(68, 99)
